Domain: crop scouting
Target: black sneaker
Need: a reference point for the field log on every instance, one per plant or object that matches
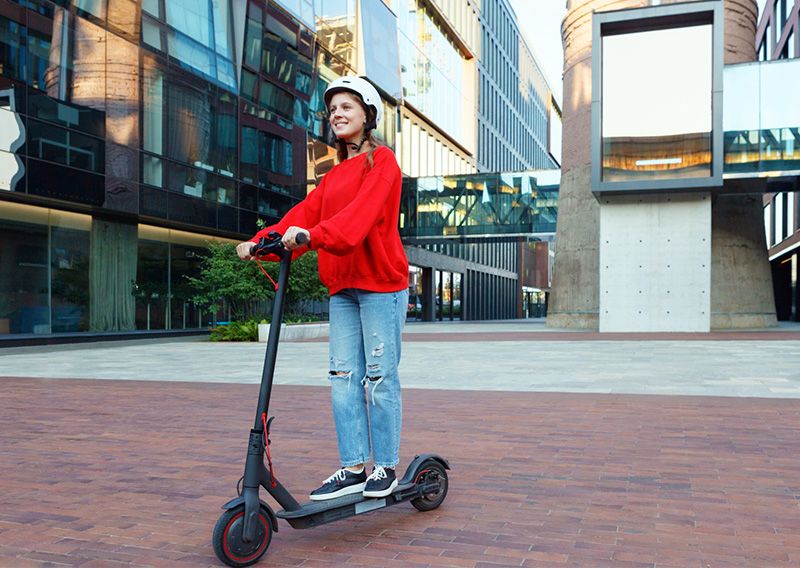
(343, 482)
(381, 482)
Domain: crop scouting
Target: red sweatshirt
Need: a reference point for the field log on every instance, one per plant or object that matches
(352, 217)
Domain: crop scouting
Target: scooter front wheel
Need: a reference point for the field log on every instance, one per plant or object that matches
(228, 540)
(432, 474)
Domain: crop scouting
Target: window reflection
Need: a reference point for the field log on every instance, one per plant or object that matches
(432, 70)
(762, 133)
(380, 28)
(24, 302)
(658, 126)
(336, 28)
(479, 204)
(70, 279)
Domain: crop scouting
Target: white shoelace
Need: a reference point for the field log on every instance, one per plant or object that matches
(377, 473)
(338, 476)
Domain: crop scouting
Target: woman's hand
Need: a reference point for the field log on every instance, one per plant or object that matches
(290, 238)
(243, 250)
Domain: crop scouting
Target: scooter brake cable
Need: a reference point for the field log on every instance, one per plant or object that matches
(266, 445)
(267, 274)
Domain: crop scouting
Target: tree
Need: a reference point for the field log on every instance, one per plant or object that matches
(227, 281)
(304, 282)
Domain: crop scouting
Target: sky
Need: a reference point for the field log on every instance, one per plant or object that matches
(540, 23)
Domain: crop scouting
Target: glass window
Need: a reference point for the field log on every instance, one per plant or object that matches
(380, 28)
(201, 184)
(151, 33)
(56, 144)
(152, 7)
(302, 9)
(152, 172)
(38, 58)
(153, 109)
(275, 155)
(192, 53)
(281, 32)
(249, 85)
(11, 56)
(252, 44)
(202, 127)
(278, 60)
(192, 18)
(415, 296)
(303, 82)
(69, 266)
(223, 150)
(659, 126)
(223, 37)
(277, 100)
(767, 222)
(336, 29)
(152, 281)
(93, 7)
(81, 118)
(249, 159)
(85, 153)
(185, 262)
(24, 282)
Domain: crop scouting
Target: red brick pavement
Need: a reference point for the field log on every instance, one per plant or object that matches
(114, 473)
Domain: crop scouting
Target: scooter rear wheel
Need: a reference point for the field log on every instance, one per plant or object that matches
(228, 541)
(431, 471)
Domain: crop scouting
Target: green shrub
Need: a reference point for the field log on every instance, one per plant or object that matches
(236, 331)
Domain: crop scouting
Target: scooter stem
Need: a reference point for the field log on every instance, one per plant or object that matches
(272, 341)
(255, 453)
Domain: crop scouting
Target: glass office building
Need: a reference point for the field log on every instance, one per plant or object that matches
(776, 147)
(133, 133)
(516, 105)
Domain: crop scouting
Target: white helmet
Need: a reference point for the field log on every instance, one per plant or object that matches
(362, 88)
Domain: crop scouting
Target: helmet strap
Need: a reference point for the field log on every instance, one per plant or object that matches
(357, 147)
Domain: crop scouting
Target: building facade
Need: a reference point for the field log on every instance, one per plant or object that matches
(133, 133)
(517, 130)
(777, 38)
(516, 105)
(660, 225)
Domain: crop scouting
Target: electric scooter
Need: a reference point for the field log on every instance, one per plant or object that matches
(244, 530)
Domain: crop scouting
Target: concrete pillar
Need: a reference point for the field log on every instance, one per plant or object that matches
(741, 280)
(738, 252)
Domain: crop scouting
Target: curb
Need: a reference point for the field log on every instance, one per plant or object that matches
(295, 332)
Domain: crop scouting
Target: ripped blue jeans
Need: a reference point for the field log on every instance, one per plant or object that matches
(365, 332)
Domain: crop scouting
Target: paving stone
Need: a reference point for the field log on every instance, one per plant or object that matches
(133, 473)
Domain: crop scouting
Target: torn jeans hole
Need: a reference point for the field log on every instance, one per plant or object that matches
(373, 381)
(340, 375)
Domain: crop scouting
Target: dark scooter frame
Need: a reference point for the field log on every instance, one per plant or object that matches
(244, 530)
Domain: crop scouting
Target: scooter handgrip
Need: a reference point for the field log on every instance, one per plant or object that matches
(301, 238)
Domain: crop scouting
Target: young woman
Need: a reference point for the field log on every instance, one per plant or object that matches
(351, 219)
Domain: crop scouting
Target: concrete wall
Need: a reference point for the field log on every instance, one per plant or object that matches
(655, 263)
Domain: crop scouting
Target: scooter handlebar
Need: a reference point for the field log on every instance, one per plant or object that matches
(273, 242)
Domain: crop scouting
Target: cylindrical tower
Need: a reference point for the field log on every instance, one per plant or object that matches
(741, 287)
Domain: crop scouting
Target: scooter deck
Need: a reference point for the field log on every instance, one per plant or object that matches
(315, 513)
(313, 507)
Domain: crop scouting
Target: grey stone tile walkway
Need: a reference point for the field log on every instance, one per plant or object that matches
(746, 368)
